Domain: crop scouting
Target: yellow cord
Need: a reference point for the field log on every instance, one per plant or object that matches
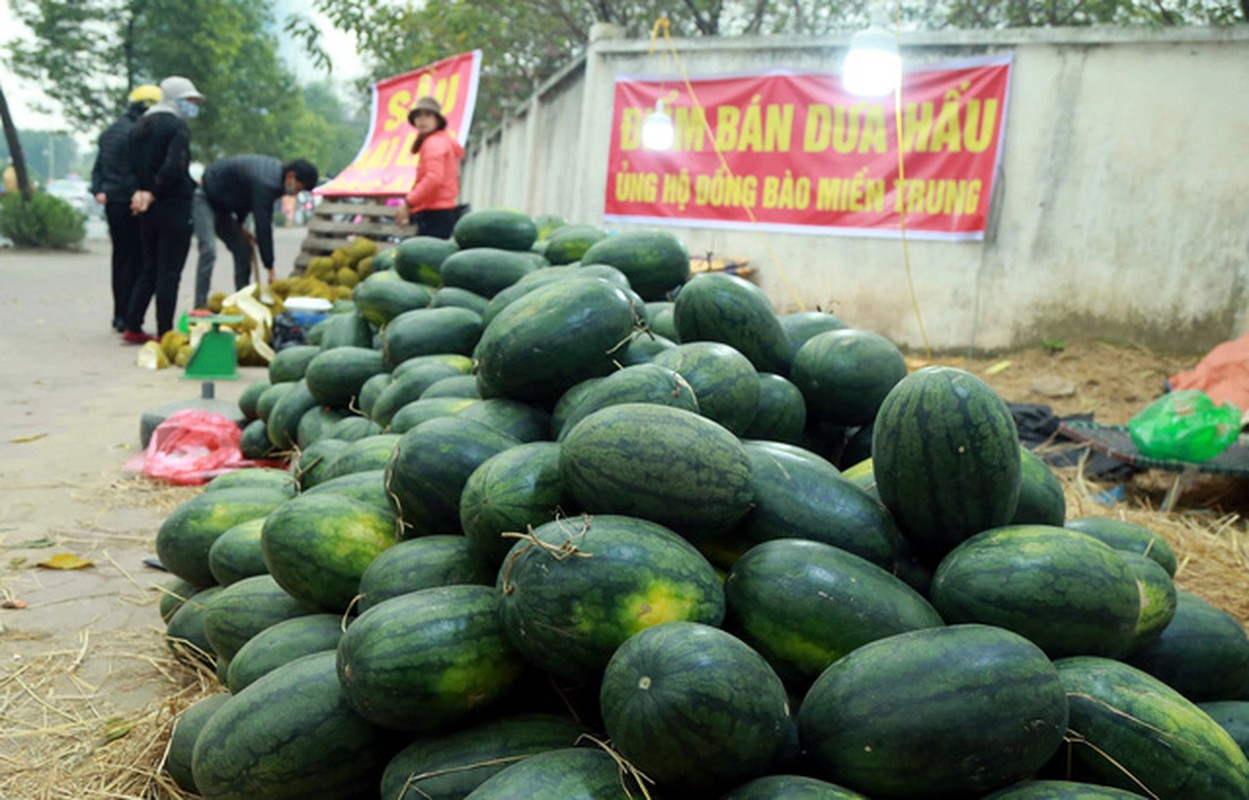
(906, 250)
(661, 24)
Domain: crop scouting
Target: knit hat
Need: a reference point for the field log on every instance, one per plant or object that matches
(178, 88)
(429, 104)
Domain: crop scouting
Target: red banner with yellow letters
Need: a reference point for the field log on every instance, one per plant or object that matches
(386, 165)
(794, 152)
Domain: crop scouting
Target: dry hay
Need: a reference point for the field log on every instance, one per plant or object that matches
(60, 738)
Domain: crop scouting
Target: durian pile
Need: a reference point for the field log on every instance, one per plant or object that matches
(332, 277)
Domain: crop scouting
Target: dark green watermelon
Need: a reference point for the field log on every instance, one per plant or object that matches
(790, 787)
(510, 492)
(422, 564)
(718, 307)
(780, 413)
(844, 375)
(244, 609)
(418, 258)
(642, 383)
(1041, 499)
(280, 644)
(495, 227)
(724, 381)
(585, 773)
(1203, 653)
(187, 534)
(1123, 535)
(430, 331)
(186, 729)
(655, 262)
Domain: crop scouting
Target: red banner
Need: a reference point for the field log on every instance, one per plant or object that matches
(385, 165)
(794, 152)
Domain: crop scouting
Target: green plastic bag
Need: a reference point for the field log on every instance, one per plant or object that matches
(1185, 426)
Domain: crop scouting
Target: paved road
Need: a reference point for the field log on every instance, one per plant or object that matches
(72, 399)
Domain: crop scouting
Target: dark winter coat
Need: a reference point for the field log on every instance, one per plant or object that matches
(112, 174)
(242, 185)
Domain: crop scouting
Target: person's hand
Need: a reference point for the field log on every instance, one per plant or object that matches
(248, 236)
(101, 198)
(402, 217)
(141, 201)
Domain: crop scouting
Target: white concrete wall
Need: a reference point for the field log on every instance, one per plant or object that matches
(1122, 211)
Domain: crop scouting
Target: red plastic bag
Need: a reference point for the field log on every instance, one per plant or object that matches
(191, 447)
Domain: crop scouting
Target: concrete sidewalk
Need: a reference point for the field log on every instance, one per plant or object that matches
(73, 399)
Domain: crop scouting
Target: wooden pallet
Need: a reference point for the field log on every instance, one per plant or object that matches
(336, 220)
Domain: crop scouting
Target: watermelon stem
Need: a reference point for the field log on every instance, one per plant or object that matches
(566, 549)
(1075, 737)
(627, 770)
(438, 773)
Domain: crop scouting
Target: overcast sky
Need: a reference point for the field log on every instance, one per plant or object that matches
(23, 95)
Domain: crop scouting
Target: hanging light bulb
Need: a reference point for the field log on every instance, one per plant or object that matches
(657, 131)
(873, 67)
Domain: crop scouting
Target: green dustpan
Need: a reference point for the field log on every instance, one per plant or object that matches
(215, 357)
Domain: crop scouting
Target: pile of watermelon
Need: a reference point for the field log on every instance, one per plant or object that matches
(565, 522)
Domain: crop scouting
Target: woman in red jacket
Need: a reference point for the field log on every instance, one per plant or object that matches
(431, 202)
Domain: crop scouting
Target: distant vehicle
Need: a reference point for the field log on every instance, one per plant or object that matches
(76, 192)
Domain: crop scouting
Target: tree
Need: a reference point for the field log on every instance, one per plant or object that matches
(48, 154)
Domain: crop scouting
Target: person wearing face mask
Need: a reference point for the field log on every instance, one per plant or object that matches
(431, 202)
(160, 151)
(239, 186)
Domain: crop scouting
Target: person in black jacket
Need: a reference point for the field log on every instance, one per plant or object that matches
(239, 186)
(160, 152)
(112, 183)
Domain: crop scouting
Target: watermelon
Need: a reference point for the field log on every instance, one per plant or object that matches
(461, 362)
(427, 659)
(451, 765)
(719, 307)
(244, 609)
(584, 773)
(858, 446)
(317, 546)
(254, 478)
(458, 386)
(381, 297)
(312, 464)
(283, 421)
(568, 402)
(363, 455)
(511, 491)
(422, 564)
(270, 397)
(803, 605)
(1119, 718)
(254, 443)
(1233, 717)
(291, 734)
(664, 464)
(643, 383)
(1122, 535)
(790, 787)
(251, 396)
(1041, 499)
(430, 331)
(694, 708)
(371, 390)
(800, 326)
(418, 258)
(522, 287)
(660, 319)
(879, 720)
(173, 594)
(184, 538)
(558, 334)
(1157, 598)
(431, 464)
(655, 262)
(485, 271)
(235, 554)
(1203, 653)
(724, 381)
(352, 429)
(290, 363)
(184, 633)
(798, 495)
(576, 588)
(335, 377)
(844, 375)
(369, 487)
(780, 412)
(522, 421)
(1061, 790)
(313, 424)
(280, 644)
(408, 389)
(186, 729)
(449, 296)
(643, 348)
(346, 330)
(425, 409)
(946, 457)
(495, 227)
(1066, 592)
(569, 243)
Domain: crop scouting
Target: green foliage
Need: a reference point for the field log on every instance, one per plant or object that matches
(49, 154)
(45, 221)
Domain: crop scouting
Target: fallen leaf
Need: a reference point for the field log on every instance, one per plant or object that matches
(13, 602)
(24, 439)
(31, 544)
(1000, 366)
(17, 563)
(116, 728)
(65, 561)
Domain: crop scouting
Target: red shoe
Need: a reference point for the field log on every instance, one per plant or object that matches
(137, 337)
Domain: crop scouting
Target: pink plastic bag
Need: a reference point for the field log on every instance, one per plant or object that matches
(191, 447)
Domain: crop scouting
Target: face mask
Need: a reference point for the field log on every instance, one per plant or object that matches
(186, 108)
